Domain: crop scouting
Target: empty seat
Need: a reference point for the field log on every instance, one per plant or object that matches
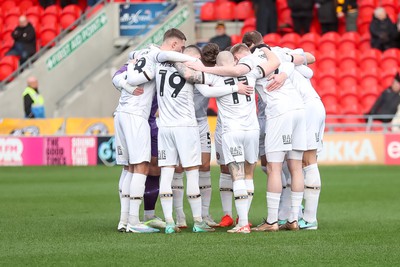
(6, 32)
(244, 10)
(367, 102)
(11, 16)
(235, 39)
(34, 13)
(365, 42)
(8, 65)
(7, 4)
(272, 39)
(386, 77)
(51, 15)
(25, 4)
(391, 7)
(69, 15)
(225, 11)
(290, 40)
(5, 46)
(207, 12)
(348, 78)
(369, 78)
(328, 41)
(390, 59)
(48, 33)
(349, 41)
(348, 94)
(250, 22)
(309, 41)
(369, 59)
(327, 60)
(348, 59)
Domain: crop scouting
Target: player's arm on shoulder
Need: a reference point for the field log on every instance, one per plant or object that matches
(231, 71)
(173, 56)
(190, 75)
(118, 78)
(270, 65)
(141, 72)
(300, 57)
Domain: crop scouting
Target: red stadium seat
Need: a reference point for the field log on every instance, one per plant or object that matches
(285, 23)
(25, 4)
(69, 15)
(290, 40)
(244, 10)
(247, 28)
(8, 65)
(367, 102)
(7, 4)
(327, 85)
(250, 22)
(348, 78)
(348, 94)
(390, 59)
(34, 13)
(94, 10)
(309, 41)
(48, 33)
(6, 33)
(369, 59)
(5, 46)
(368, 79)
(225, 11)
(328, 41)
(391, 7)
(207, 12)
(349, 41)
(236, 39)
(348, 59)
(327, 61)
(272, 39)
(386, 77)
(11, 16)
(51, 15)
(365, 42)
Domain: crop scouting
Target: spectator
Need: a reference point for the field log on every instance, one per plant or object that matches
(383, 30)
(221, 38)
(398, 32)
(266, 16)
(46, 3)
(64, 3)
(388, 101)
(302, 15)
(24, 40)
(33, 101)
(349, 10)
(327, 17)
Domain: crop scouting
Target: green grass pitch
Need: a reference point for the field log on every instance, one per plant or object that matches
(67, 216)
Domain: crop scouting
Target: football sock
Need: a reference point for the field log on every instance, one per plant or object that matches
(126, 185)
(136, 196)
(193, 193)
(296, 199)
(312, 189)
(273, 205)
(121, 182)
(250, 191)
(226, 192)
(241, 200)
(177, 189)
(166, 193)
(151, 192)
(205, 192)
(285, 204)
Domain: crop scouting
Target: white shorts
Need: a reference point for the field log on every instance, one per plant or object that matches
(205, 136)
(240, 146)
(261, 147)
(218, 146)
(179, 145)
(132, 139)
(315, 124)
(286, 132)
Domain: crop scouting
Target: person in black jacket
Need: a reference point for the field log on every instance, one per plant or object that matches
(221, 38)
(383, 30)
(24, 40)
(302, 15)
(266, 16)
(387, 102)
(327, 15)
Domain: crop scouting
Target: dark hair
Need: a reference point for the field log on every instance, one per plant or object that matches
(192, 47)
(259, 46)
(397, 77)
(238, 48)
(209, 54)
(174, 33)
(252, 38)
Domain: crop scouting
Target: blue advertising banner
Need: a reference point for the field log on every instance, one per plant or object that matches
(133, 18)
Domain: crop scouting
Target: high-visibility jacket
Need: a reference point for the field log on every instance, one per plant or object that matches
(38, 102)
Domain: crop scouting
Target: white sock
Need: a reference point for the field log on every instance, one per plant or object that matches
(126, 187)
(226, 193)
(177, 189)
(250, 191)
(136, 197)
(312, 189)
(121, 182)
(205, 192)
(273, 205)
(297, 198)
(285, 204)
(166, 192)
(148, 215)
(241, 200)
(193, 194)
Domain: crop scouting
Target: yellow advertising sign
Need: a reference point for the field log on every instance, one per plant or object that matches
(354, 148)
(31, 127)
(89, 126)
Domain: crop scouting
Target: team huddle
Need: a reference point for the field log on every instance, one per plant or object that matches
(267, 108)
